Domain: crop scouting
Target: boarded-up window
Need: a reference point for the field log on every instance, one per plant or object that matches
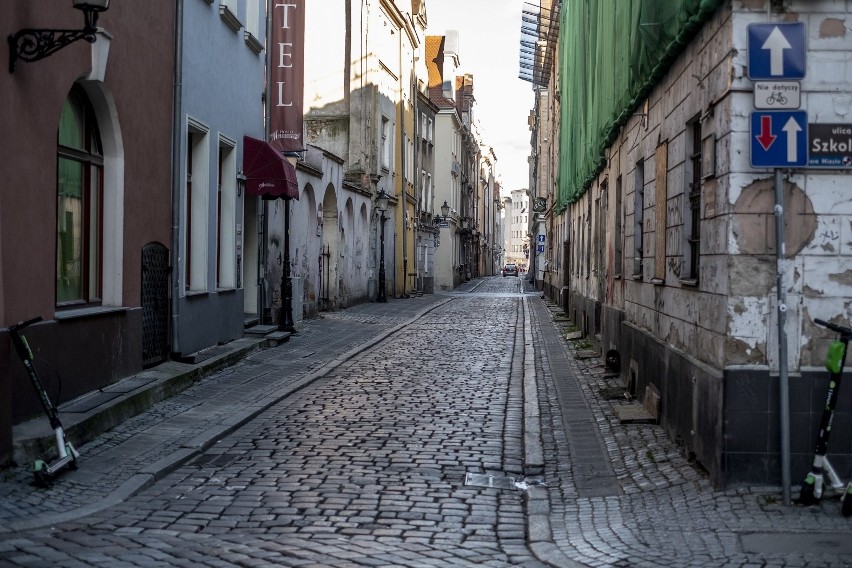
(661, 160)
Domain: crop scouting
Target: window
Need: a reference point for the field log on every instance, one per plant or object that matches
(661, 159)
(638, 217)
(197, 199)
(617, 236)
(79, 211)
(587, 250)
(386, 143)
(253, 26)
(228, 13)
(226, 269)
(600, 231)
(693, 218)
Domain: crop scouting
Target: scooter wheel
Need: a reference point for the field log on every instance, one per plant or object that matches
(846, 507)
(42, 479)
(806, 494)
(73, 464)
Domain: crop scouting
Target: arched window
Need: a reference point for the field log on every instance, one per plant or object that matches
(79, 204)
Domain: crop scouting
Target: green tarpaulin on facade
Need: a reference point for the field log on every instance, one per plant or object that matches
(611, 53)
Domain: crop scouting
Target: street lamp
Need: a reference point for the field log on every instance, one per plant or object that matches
(35, 44)
(445, 210)
(285, 322)
(382, 206)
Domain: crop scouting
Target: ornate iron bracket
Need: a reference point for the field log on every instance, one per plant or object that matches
(32, 45)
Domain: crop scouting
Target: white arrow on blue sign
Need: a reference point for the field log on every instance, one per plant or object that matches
(776, 51)
(779, 139)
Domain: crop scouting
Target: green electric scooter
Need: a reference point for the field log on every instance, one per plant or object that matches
(814, 485)
(42, 471)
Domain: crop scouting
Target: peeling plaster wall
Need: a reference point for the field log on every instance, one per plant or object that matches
(818, 203)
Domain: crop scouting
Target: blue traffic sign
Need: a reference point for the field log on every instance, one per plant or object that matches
(779, 139)
(540, 238)
(776, 51)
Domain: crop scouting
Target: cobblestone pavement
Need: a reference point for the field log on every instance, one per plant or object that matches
(411, 434)
(367, 465)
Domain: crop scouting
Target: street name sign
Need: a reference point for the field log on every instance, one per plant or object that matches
(776, 51)
(830, 146)
(779, 139)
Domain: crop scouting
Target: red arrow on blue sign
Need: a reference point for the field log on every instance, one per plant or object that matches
(766, 138)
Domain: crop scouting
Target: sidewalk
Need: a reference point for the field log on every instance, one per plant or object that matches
(166, 415)
(623, 494)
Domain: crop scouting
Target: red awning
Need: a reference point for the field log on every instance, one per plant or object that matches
(268, 173)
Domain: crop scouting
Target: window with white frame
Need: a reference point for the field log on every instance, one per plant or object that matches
(79, 205)
(229, 14)
(226, 269)
(386, 143)
(197, 200)
(254, 25)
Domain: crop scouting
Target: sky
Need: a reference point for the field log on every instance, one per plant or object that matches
(489, 36)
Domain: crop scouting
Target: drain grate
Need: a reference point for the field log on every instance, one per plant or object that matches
(500, 481)
(214, 460)
(489, 480)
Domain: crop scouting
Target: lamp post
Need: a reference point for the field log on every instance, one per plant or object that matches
(285, 323)
(382, 206)
(34, 44)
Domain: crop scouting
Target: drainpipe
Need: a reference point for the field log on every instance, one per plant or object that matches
(418, 211)
(403, 194)
(177, 140)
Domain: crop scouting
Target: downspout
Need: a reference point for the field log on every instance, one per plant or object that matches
(262, 207)
(404, 189)
(177, 138)
(418, 169)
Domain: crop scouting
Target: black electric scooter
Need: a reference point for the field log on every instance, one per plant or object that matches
(813, 487)
(42, 471)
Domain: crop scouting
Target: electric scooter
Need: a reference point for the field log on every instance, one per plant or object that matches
(42, 471)
(814, 485)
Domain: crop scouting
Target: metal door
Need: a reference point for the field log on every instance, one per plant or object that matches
(155, 304)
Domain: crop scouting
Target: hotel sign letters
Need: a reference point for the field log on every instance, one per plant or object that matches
(286, 74)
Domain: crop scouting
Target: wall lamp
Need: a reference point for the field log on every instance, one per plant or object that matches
(241, 182)
(445, 212)
(32, 44)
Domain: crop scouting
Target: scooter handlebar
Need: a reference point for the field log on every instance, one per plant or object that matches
(833, 327)
(23, 324)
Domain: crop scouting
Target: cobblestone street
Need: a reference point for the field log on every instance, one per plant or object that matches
(417, 450)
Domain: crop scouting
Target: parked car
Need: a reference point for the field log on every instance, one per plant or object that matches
(510, 269)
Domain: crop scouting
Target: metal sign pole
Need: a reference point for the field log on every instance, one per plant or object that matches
(784, 410)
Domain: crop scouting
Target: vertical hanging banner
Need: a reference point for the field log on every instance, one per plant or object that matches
(286, 61)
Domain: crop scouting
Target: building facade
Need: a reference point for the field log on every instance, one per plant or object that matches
(221, 81)
(90, 162)
(668, 227)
